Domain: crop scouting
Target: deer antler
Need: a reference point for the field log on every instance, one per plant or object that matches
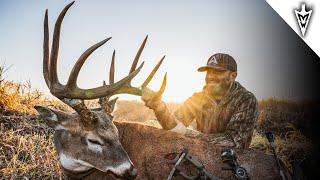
(108, 105)
(70, 93)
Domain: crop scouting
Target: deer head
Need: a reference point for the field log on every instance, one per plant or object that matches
(88, 139)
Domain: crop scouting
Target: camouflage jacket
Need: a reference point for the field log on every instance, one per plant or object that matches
(228, 122)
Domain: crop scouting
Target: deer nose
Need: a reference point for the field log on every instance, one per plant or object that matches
(132, 173)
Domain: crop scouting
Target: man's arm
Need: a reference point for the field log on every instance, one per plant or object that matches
(165, 118)
(189, 109)
(241, 125)
(182, 117)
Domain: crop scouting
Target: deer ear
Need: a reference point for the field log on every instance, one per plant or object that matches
(50, 116)
(113, 104)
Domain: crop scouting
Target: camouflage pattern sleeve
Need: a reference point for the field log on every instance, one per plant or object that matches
(165, 118)
(190, 109)
(241, 125)
(185, 113)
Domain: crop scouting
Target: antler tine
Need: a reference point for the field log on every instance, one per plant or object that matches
(163, 85)
(111, 73)
(72, 81)
(50, 62)
(137, 57)
(46, 50)
(104, 101)
(153, 72)
(55, 47)
(128, 89)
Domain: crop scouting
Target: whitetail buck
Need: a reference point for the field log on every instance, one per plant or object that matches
(88, 142)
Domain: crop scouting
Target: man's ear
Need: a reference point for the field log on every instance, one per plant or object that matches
(50, 116)
(233, 75)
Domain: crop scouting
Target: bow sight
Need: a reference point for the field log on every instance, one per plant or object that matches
(229, 157)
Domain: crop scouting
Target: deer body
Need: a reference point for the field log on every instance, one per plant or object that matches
(148, 146)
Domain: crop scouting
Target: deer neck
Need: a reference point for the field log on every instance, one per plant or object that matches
(90, 174)
(77, 175)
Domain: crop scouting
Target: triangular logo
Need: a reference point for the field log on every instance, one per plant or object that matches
(212, 61)
(303, 18)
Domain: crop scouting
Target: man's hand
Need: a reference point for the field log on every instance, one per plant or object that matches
(153, 101)
(149, 95)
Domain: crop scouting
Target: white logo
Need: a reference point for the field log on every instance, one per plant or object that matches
(303, 18)
(213, 61)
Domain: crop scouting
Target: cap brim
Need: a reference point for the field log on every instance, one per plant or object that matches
(205, 68)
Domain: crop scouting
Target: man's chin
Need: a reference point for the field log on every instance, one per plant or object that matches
(212, 91)
(214, 95)
(215, 91)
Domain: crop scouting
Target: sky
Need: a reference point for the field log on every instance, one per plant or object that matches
(187, 32)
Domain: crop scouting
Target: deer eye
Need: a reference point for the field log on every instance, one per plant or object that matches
(93, 141)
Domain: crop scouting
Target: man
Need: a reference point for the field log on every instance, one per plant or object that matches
(224, 109)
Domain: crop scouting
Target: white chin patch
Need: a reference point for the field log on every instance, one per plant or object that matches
(72, 164)
(119, 170)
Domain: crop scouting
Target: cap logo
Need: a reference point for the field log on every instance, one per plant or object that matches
(213, 60)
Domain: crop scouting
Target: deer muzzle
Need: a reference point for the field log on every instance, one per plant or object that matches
(131, 173)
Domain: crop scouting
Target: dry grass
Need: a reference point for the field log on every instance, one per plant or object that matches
(27, 152)
(294, 144)
(291, 123)
(21, 98)
(26, 149)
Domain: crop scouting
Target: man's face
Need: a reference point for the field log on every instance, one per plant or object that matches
(218, 82)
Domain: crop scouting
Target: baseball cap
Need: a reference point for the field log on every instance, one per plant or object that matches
(220, 61)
